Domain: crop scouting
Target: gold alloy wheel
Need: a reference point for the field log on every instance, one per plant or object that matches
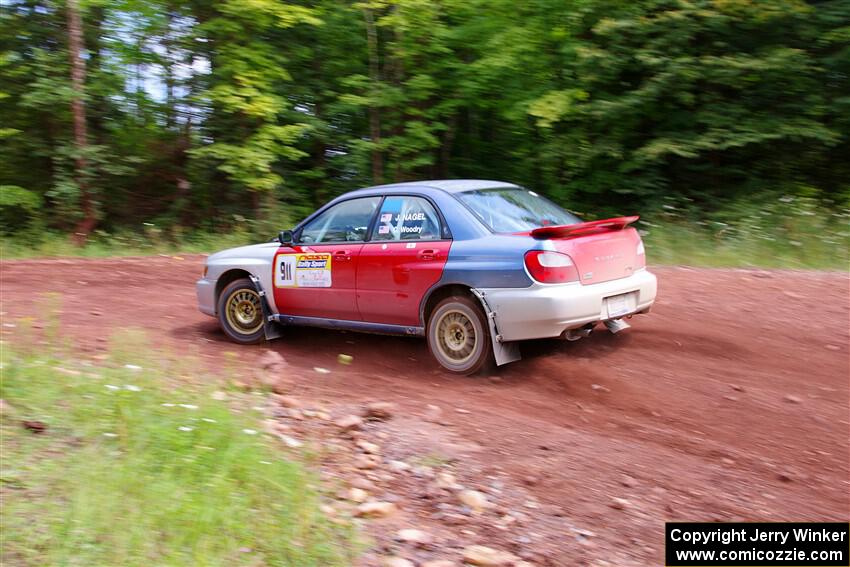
(456, 336)
(244, 311)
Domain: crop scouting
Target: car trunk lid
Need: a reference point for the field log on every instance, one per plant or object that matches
(602, 250)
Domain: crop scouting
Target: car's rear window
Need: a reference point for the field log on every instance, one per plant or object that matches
(515, 209)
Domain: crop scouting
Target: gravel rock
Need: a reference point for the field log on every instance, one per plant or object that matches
(276, 383)
(792, 399)
(362, 483)
(439, 563)
(379, 411)
(367, 447)
(434, 414)
(291, 442)
(357, 495)
(447, 481)
(366, 462)
(487, 556)
(398, 466)
(375, 510)
(287, 401)
(628, 481)
(619, 503)
(349, 423)
(474, 499)
(271, 360)
(414, 536)
(396, 562)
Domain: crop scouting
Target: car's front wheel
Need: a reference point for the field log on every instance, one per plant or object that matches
(458, 335)
(240, 312)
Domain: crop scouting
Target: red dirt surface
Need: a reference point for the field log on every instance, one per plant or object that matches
(728, 402)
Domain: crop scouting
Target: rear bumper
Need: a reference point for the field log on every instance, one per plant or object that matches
(547, 310)
(205, 290)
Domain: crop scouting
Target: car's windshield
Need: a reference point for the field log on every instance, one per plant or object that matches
(515, 209)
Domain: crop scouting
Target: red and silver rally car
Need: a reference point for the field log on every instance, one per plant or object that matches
(474, 266)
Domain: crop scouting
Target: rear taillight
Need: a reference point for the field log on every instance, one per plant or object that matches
(641, 255)
(550, 267)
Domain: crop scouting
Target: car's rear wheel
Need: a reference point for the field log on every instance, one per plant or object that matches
(240, 312)
(458, 335)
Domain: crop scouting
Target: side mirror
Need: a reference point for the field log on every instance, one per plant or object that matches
(285, 237)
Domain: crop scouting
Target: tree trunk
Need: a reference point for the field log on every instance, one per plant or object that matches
(78, 111)
(168, 69)
(374, 111)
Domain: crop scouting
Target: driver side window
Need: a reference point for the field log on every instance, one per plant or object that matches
(344, 222)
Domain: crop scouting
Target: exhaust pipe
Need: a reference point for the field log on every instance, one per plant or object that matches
(616, 325)
(580, 333)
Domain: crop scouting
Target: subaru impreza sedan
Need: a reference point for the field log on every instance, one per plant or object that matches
(473, 266)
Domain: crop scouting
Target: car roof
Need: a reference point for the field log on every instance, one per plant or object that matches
(447, 185)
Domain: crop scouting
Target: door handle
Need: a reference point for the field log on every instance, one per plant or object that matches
(342, 255)
(428, 254)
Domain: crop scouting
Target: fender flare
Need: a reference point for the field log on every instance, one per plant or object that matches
(503, 352)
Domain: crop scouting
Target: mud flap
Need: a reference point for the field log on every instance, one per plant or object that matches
(504, 352)
(270, 328)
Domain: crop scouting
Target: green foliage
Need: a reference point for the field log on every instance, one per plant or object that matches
(18, 208)
(199, 111)
(140, 467)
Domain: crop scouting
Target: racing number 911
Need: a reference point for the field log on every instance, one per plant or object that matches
(474, 266)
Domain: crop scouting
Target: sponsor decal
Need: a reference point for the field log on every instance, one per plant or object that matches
(302, 270)
(411, 245)
(386, 217)
(410, 217)
(384, 229)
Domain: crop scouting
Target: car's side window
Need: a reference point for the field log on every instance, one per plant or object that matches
(407, 218)
(344, 222)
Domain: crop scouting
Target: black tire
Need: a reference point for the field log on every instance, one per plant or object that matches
(240, 312)
(459, 336)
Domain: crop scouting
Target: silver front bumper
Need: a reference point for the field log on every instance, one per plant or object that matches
(547, 310)
(205, 290)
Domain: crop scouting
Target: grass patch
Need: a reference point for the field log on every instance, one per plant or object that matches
(138, 467)
(102, 244)
(787, 232)
(680, 244)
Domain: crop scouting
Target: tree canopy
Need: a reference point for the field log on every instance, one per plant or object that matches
(198, 112)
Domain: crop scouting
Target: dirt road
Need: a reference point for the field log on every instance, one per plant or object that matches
(728, 402)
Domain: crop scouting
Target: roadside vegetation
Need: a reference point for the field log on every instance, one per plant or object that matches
(136, 459)
(788, 232)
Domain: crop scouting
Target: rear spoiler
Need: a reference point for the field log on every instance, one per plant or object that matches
(563, 231)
